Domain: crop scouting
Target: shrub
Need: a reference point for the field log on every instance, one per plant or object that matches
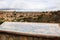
(1, 22)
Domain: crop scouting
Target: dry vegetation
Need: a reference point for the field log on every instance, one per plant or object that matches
(50, 17)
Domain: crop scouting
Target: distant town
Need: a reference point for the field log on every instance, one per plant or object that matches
(46, 17)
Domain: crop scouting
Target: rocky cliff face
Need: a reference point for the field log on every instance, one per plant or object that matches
(51, 17)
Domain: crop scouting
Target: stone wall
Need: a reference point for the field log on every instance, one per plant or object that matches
(5, 36)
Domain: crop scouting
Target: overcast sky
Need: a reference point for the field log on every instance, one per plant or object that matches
(41, 5)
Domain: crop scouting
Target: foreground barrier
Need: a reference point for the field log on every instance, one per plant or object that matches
(29, 31)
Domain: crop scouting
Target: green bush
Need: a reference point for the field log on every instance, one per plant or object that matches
(1, 22)
(1, 18)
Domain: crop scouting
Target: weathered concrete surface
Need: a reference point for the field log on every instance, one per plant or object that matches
(50, 29)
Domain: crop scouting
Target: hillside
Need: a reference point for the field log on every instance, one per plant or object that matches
(13, 16)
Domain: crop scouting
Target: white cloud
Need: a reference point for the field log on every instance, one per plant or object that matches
(31, 4)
